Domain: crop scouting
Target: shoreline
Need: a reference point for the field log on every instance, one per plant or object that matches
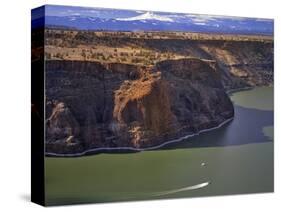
(100, 149)
(231, 91)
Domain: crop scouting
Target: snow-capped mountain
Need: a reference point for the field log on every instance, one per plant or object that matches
(147, 16)
(128, 20)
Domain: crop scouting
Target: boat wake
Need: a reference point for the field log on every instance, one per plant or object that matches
(194, 187)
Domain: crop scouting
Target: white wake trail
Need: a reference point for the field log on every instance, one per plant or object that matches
(194, 187)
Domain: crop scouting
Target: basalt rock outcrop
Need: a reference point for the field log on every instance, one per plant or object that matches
(241, 63)
(242, 60)
(92, 105)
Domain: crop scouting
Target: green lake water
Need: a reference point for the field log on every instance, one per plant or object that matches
(234, 159)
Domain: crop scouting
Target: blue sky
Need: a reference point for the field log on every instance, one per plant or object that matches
(129, 17)
(55, 10)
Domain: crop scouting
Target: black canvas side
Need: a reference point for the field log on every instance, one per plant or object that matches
(37, 107)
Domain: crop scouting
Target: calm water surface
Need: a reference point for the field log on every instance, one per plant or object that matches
(237, 158)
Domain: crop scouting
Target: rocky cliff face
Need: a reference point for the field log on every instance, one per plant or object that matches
(90, 104)
(242, 60)
(240, 63)
(141, 89)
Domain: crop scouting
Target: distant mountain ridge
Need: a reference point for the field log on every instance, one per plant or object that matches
(129, 20)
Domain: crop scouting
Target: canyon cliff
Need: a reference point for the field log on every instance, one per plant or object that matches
(91, 105)
(104, 91)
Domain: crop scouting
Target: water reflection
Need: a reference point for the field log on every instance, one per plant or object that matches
(246, 127)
